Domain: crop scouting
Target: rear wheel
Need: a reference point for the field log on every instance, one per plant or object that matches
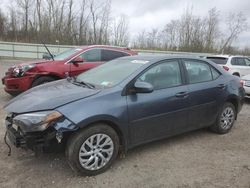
(91, 151)
(225, 119)
(42, 80)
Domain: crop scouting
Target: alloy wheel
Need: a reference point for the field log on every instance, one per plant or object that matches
(96, 151)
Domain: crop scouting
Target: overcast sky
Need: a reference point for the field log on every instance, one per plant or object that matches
(148, 14)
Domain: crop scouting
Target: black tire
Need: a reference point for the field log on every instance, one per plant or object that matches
(42, 80)
(76, 141)
(218, 127)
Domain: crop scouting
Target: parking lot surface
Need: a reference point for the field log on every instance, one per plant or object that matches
(195, 159)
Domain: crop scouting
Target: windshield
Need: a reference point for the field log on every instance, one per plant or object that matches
(218, 60)
(111, 73)
(66, 54)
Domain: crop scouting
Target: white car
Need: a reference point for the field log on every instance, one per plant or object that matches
(236, 65)
(246, 84)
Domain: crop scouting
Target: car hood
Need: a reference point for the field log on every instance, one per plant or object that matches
(48, 96)
(40, 61)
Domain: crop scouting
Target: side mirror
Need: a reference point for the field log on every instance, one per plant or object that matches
(77, 60)
(143, 87)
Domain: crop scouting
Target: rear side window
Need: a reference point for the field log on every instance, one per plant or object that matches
(215, 73)
(92, 55)
(198, 71)
(218, 60)
(108, 55)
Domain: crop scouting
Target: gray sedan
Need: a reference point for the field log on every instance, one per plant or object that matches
(121, 104)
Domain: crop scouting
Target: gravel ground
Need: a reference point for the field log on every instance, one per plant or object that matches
(195, 159)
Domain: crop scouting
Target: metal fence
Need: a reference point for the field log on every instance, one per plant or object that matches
(35, 51)
(28, 50)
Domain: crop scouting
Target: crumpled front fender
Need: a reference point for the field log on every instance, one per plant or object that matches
(64, 125)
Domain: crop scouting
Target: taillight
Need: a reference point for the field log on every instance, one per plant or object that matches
(226, 68)
(242, 83)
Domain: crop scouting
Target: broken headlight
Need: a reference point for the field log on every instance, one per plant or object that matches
(20, 70)
(38, 121)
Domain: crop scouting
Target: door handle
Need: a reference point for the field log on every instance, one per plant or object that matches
(182, 94)
(221, 86)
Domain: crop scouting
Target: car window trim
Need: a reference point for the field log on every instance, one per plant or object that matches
(92, 49)
(197, 60)
(115, 51)
(131, 83)
(211, 67)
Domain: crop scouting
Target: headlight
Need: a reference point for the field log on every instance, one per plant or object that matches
(20, 70)
(38, 121)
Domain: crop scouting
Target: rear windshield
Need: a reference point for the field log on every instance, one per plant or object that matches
(218, 60)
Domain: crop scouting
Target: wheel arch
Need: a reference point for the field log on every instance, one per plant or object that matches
(113, 124)
(233, 100)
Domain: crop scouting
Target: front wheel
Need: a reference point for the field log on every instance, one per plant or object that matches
(225, 119)
(91, 151)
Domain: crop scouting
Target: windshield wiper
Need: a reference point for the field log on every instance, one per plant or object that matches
(75, 81)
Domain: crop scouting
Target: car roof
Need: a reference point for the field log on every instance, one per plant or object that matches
(225, 56)
(156, 58)
(103, 46)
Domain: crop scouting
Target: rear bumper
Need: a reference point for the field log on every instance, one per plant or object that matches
(17, 85)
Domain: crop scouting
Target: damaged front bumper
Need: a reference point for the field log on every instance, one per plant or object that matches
(52, 139)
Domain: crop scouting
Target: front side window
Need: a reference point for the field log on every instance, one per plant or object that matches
(163, 75)
(92, 55)
(198, 71)
(67, 54)
(108, 55)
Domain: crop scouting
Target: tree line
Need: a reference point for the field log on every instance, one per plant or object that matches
(66, 21)
(85, 22)
(193, 33)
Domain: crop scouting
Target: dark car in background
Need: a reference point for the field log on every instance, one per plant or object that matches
(72, 62)
(121, 104)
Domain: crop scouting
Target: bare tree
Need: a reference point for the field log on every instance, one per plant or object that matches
(25, 6)
(2, 24)
(83, 21)
(120, 31)
(237, 23)
(212, 32)
(170, 35)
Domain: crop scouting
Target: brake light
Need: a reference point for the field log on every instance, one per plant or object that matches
(226, 68)
(242, 83)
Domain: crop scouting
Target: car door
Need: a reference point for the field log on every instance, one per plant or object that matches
(91, 57)
(206, 90)
(246, 68)
(241, 65)
(164, 111)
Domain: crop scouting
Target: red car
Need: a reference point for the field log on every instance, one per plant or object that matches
(21, 77)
